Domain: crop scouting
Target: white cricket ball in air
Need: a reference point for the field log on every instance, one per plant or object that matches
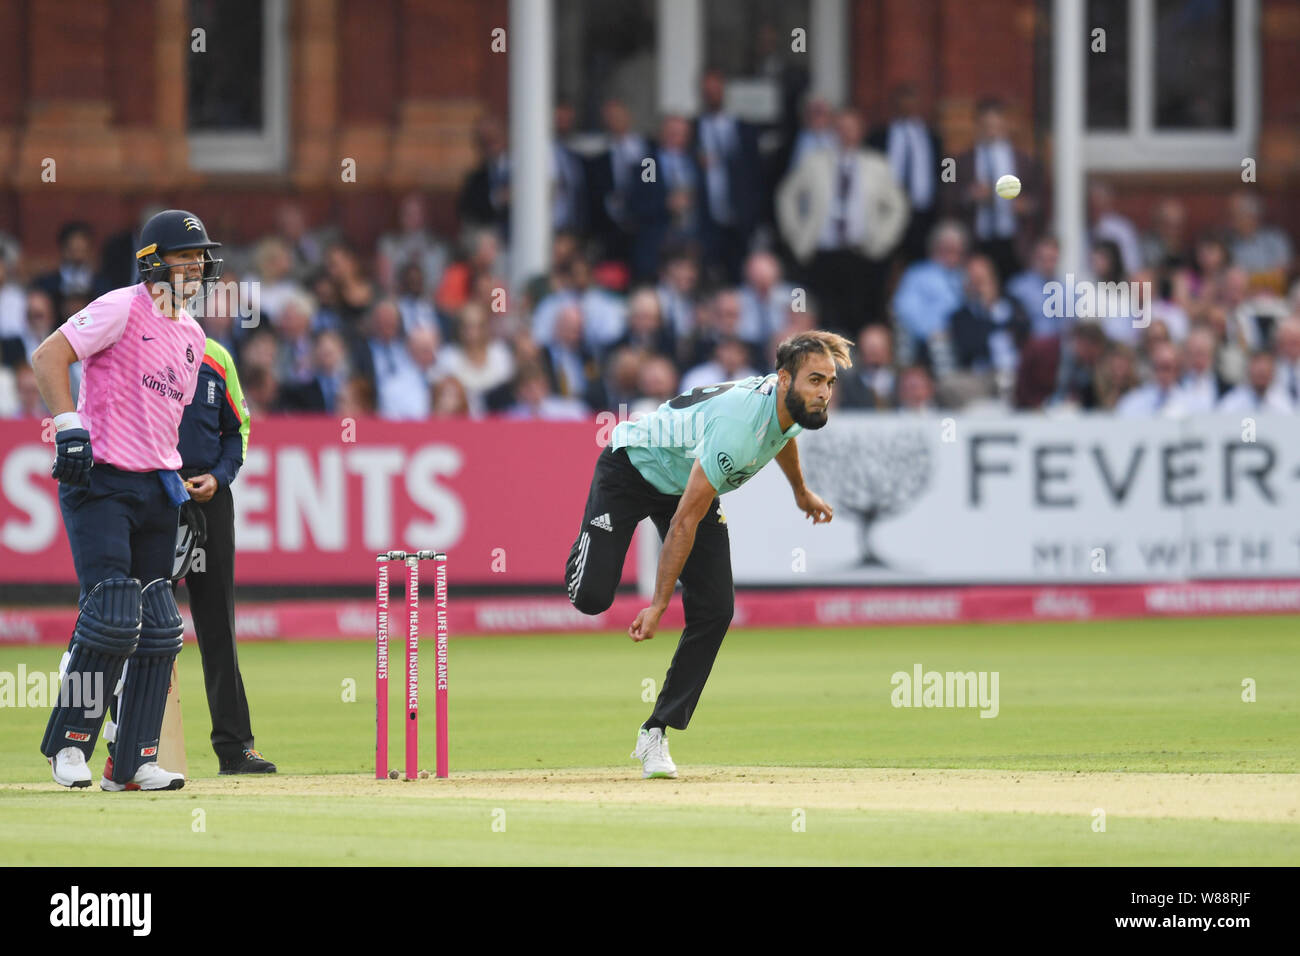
(1008, 187)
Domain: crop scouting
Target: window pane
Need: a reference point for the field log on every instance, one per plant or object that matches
(1194, 64)
(225, 82)
(603, 50)
(747, 38)
(1108, 73)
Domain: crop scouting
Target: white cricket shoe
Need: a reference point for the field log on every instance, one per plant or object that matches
(150, 776)
(652, 751)
(69, 768)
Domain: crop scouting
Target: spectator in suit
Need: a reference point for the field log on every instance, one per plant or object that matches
(413, 301)
(1200, 387)
(1162, 395)
(1029, 288)
(401, 386)
(1263, 251)
(484, 198)
(989, 329)
(916, 391)
(872, 381)
(307, 246)
(1287, 371)
(816, 133)
(293, 367)
(1078, 381)
(666, 209)
(657, 383)
(679, 281)
(411, 244)
(764, 299)
(929, 292)
(330, 373)
(1165, 246)
(571, 369)
(76, 272)
(1257, 393)
(842, 213)
(618, 383)
(915, 153)
(1001, 228)
(645, 324)
(610, 175)
(568, 179)
(717, 319)
(1109, 224)
(726, 151)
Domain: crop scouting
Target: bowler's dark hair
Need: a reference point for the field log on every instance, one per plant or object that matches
(791, 353)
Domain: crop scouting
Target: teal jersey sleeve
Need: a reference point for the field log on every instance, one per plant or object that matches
(727, 452)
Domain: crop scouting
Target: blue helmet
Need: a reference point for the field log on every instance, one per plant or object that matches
(171, 231)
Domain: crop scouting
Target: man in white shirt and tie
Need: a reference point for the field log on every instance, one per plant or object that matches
(610, 175)
(1161, 396)
(842, 213)
(726, 150)
(1200, 388)
(1001, 227)
(914, 151)
(1257, 393)
(1286, 380)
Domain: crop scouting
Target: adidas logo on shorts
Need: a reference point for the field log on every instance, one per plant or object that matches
(602, 522)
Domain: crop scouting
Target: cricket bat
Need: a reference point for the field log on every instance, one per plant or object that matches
(171, 742)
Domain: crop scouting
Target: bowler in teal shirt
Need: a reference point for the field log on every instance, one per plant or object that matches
(672, 466)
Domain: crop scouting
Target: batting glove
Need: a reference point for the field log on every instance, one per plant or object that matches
(72, 461)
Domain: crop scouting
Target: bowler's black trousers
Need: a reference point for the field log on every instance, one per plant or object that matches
(620, 498)
(212, 604)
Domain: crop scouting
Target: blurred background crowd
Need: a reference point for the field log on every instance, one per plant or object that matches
(682, 254)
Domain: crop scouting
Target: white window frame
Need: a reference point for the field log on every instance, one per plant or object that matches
(1143, 147)
(265, 151)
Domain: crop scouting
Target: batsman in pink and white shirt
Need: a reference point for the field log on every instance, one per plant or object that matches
(121, 497)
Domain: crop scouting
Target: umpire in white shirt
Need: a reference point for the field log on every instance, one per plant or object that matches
(842, 213)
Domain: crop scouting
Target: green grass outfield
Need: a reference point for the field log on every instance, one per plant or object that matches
(1142, 720)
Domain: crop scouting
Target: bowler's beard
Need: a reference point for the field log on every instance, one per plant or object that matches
(799, 411)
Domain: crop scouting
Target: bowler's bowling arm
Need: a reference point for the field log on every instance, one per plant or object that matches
(51, 362)
(680, 539)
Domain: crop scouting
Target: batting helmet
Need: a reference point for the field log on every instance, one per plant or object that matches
(171, 231)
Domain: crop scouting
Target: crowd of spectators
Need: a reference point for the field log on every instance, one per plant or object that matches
(682, 260)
